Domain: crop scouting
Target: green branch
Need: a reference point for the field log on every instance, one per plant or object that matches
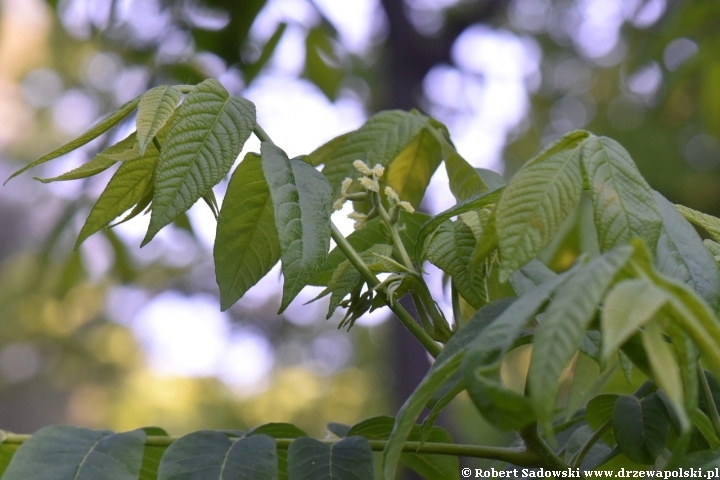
(516, 456)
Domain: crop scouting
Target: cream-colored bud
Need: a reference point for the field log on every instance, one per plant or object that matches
(362, 167)
(391, 193)
(360, 219)
(406, 206)
(378, 170)
(370, 184)
(345, 186)
(338, 203)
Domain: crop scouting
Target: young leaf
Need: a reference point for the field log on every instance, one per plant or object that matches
(349, 459)
(707, 222)
(125, 189)
(64, 452)
(537, 200)
(450, 250)
(498, 405)
(378, 141)
(156, 107)
(371, 234)
(124, 150)
(86, 137)
(628, 306)
(473, 203)
(302, 203)
(410, 172)
(640, 427)
(681, 255)
(624, 206)
(564, 324)
(204, 138)
(212, 455)
(246, 242)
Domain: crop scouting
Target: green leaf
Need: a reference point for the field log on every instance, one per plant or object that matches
(681, 255)
(156, 107)
(502, 407)
(530, 276)
(596, 453)
(62, 452)
(450, 250)
(598, 411)
(378, 141)
(623, 203)
(323, 153)
(340, 430)
(125, 189)
(152, 455)
(302, 203)
(449, 390)
(428, 466)
(586, 375)
(707, 222)
(7, 450)
(537, 200)
(322, 65)
(490, 178)
(86, 137)
(371, 234)
(463, 179)
(251, 71)
(349, 459)
(713, 248)
(564, 325)
(641, 427)
(443, 370)
(246, 242)
(212, 455)
(204, 138)
(474, 203)
(410, 172)
(628, 306)
(124, 150)
(279, 430)
(705, 426)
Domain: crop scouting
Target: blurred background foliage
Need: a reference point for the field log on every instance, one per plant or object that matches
(82, 340)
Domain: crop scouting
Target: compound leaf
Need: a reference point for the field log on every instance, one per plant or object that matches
(246, 242)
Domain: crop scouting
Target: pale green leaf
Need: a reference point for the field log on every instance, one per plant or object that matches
(707, 222)
(450, 249)
(530, 276)
(564, 324)
(628, 306)
(473, 203)
(156, 107)
(623, 203)
(251, 71)
(537, 200)
(86, 137)
(349, 459)
(124, 150)
(204, 138)
(705, 426)
(302, 203)
(64, 452)
(410, 172)
(463, 179)
(378, 141)
(681, 254)
(152, 454)
(586, 375)
(123, 191)
(246, 242)
(713, 247)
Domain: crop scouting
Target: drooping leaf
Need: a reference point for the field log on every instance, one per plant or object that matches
(492, 179)
(537, 200)
(707, 222)
(474, 203)
(86, 137)
(123, 191)
(443, 370)
(302, 203)
(481, 366)
(564, 324)
(124, 150)
(623, 203)
(152, 454)
(64, 452)
(378, 141)
(640, 427)
(410, 172)
(349, 459)
(628, 306)
(680, 254)
(156, 107)
(246, 242)
(371, 234)
(213, 455)
(463, 179)
(450, 250)
(204, 138)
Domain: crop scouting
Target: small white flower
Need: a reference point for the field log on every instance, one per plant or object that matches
(362, 167)
(406, 206)
(378, 170)
(360, 219)
(392, 194)
(345, 186)
(370, 184)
